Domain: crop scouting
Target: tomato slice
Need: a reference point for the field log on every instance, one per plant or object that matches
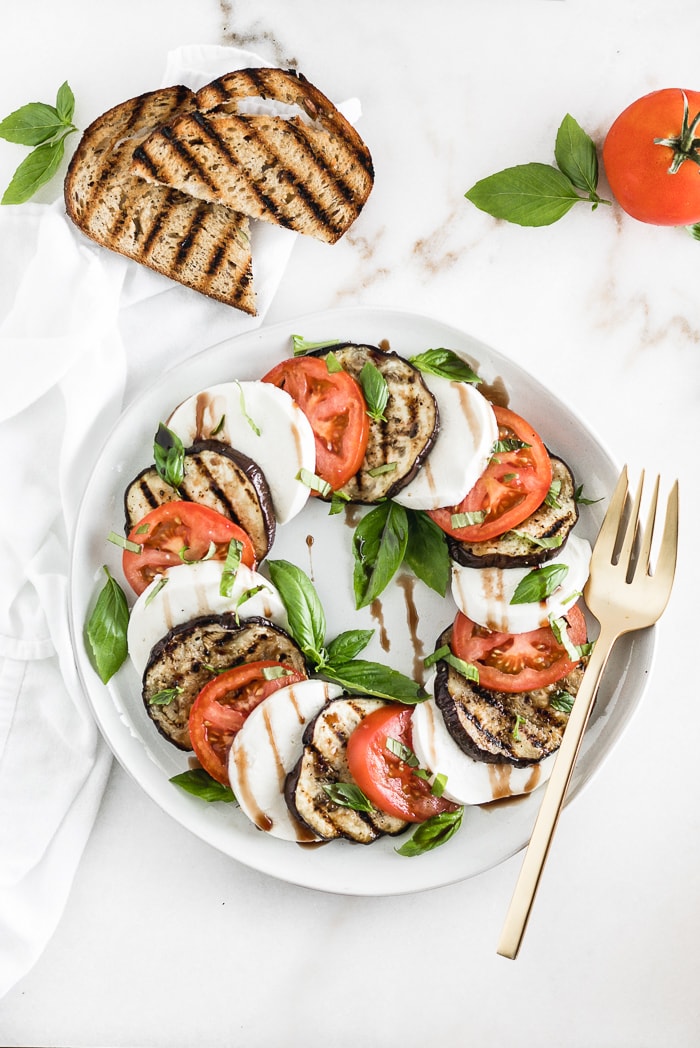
(180, 532)
(222, 707)
(334, 404)
(515, 662)
(511, 487)
(386, 779)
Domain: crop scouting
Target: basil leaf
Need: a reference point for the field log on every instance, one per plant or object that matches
(164, 697)
(444, 363)
(539, 583)
(403, 752)
(169, 456)
(436, 830)
(375, 389)
(106, 629)
(528, 195)
(301, 345)
(200, 784)
(34, 171)
(372, 678)
(307, 621)
(313, 482)
(379, 544)
(348, 644)
(65, 102)
(581, 500)
(426, 551)
(576, 155)
(32, 124)
(347, 795)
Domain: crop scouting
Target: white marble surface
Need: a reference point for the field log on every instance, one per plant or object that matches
(165, 942)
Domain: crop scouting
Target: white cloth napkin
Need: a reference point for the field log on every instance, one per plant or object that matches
(80, 331)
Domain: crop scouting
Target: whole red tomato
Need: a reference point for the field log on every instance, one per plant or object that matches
(651, 158)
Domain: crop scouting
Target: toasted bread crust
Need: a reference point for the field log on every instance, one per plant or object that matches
(203, 246)
(311, 173)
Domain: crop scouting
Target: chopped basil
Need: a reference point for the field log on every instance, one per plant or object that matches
(579, 498)
(436, 830)
(516, 727)
(444, 363)
(300, 345)
(552, 496)
(244, 411)
(348, 795)
(539, 583)
(403, 752)
(439, 784)
(333, 364)
(339, 500)
(275, 672)
(164, 697)
(376, 391)
(162, 581)
(387, 467)
(314, 482)
(124, 543)
(248, 595)
(169, 456)
(562, 701)
(219, 426)
(231, 566)
(550, 542)
(445, 654)
(200, 784)
(106, 629)
(467, 520)
(509, 444)
(197, 560)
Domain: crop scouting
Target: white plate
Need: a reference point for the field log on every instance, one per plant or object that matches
(407, 619)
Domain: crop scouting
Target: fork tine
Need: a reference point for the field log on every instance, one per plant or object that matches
(645, 551)
(607, 536)
(666, 562)
(625, 557)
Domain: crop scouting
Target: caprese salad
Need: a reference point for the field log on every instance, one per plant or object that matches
(313, 742)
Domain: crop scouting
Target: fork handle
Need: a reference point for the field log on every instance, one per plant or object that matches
(553, 800)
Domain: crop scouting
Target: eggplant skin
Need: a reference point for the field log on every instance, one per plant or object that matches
(215, 475)
(483, 723)
(193, 653)
(323, 762)
(515, 551)
(406, 437)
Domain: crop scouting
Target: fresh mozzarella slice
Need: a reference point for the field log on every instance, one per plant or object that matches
(267, 748)
(484, 594)
(189, 590)
(264, 423)
(465, 440)
(468, 781)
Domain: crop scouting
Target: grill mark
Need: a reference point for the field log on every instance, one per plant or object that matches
(190, 238)
(317, 210)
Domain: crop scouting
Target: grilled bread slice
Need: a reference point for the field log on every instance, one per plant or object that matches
(203, 246)
(307, 170)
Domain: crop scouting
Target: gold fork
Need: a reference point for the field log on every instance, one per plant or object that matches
(624, 595)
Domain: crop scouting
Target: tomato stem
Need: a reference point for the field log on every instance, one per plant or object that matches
(685, 145)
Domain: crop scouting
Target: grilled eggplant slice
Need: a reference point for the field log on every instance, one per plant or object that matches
(522, 548)
(191, 654)
(215, 475)
(323, 763)
(499, 727)
(398, 445)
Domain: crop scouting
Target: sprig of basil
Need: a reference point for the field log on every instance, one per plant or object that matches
(335, 662)
(390, 535)
(444, 363)
(436, 830)
(539, 194)
(169, 456)
(45, 127)
(376, 391)
(106, 629)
